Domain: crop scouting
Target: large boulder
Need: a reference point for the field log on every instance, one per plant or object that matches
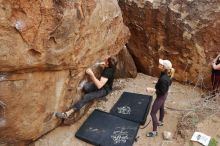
(45, 47)
(186, 32)
(126, 67)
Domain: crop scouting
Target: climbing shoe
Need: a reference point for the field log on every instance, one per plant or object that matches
(61, 115)
(152, 134)
(160, 123)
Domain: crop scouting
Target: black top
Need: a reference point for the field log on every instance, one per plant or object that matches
(216, 72)
(108, 73)
(163, 84)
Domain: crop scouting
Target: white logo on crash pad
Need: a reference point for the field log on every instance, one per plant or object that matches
(126, 110)
(120, 136)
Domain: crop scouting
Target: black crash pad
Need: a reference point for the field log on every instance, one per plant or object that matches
(104, 129)
(132, 106)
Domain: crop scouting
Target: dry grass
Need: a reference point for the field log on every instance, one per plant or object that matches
(200, 111)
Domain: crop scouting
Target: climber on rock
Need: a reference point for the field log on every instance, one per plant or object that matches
(98, 88)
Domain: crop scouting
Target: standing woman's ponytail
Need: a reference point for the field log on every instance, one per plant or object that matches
(171, 72)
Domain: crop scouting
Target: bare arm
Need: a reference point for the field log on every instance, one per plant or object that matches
(99, 83)
(216, 58)
(216, 67)
(150, 90)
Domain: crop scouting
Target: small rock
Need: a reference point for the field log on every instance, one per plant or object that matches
(167, 135)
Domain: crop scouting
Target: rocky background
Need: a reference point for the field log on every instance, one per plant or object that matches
(187, 32)
(45, 47)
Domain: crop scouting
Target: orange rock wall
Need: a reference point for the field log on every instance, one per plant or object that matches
(45, 47)
(187, 32)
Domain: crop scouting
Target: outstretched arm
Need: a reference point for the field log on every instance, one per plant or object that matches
(214, 61)
(99, 83)
(214, 66)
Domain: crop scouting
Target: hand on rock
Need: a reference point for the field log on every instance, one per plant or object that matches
(89, 72)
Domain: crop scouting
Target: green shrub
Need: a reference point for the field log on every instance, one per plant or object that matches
(213, 142)
(190, 143)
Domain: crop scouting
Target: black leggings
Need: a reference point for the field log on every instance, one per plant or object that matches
(92, 92)
(215, 82)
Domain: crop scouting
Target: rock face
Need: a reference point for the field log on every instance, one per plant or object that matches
(126, 67)
(186, 32)
(45, 47)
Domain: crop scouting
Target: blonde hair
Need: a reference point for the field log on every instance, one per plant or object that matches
(170, 72)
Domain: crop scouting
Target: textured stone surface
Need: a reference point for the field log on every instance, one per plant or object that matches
(53, 35)
(186, 32)
(30, 100)
(126, 67)
(45, 47)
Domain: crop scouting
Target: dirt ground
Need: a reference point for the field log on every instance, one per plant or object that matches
(182, 101)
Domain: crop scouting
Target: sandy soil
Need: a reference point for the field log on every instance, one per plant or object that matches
(180, 98)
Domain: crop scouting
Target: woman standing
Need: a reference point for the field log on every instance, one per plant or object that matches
(161, 89)
(215, 74)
